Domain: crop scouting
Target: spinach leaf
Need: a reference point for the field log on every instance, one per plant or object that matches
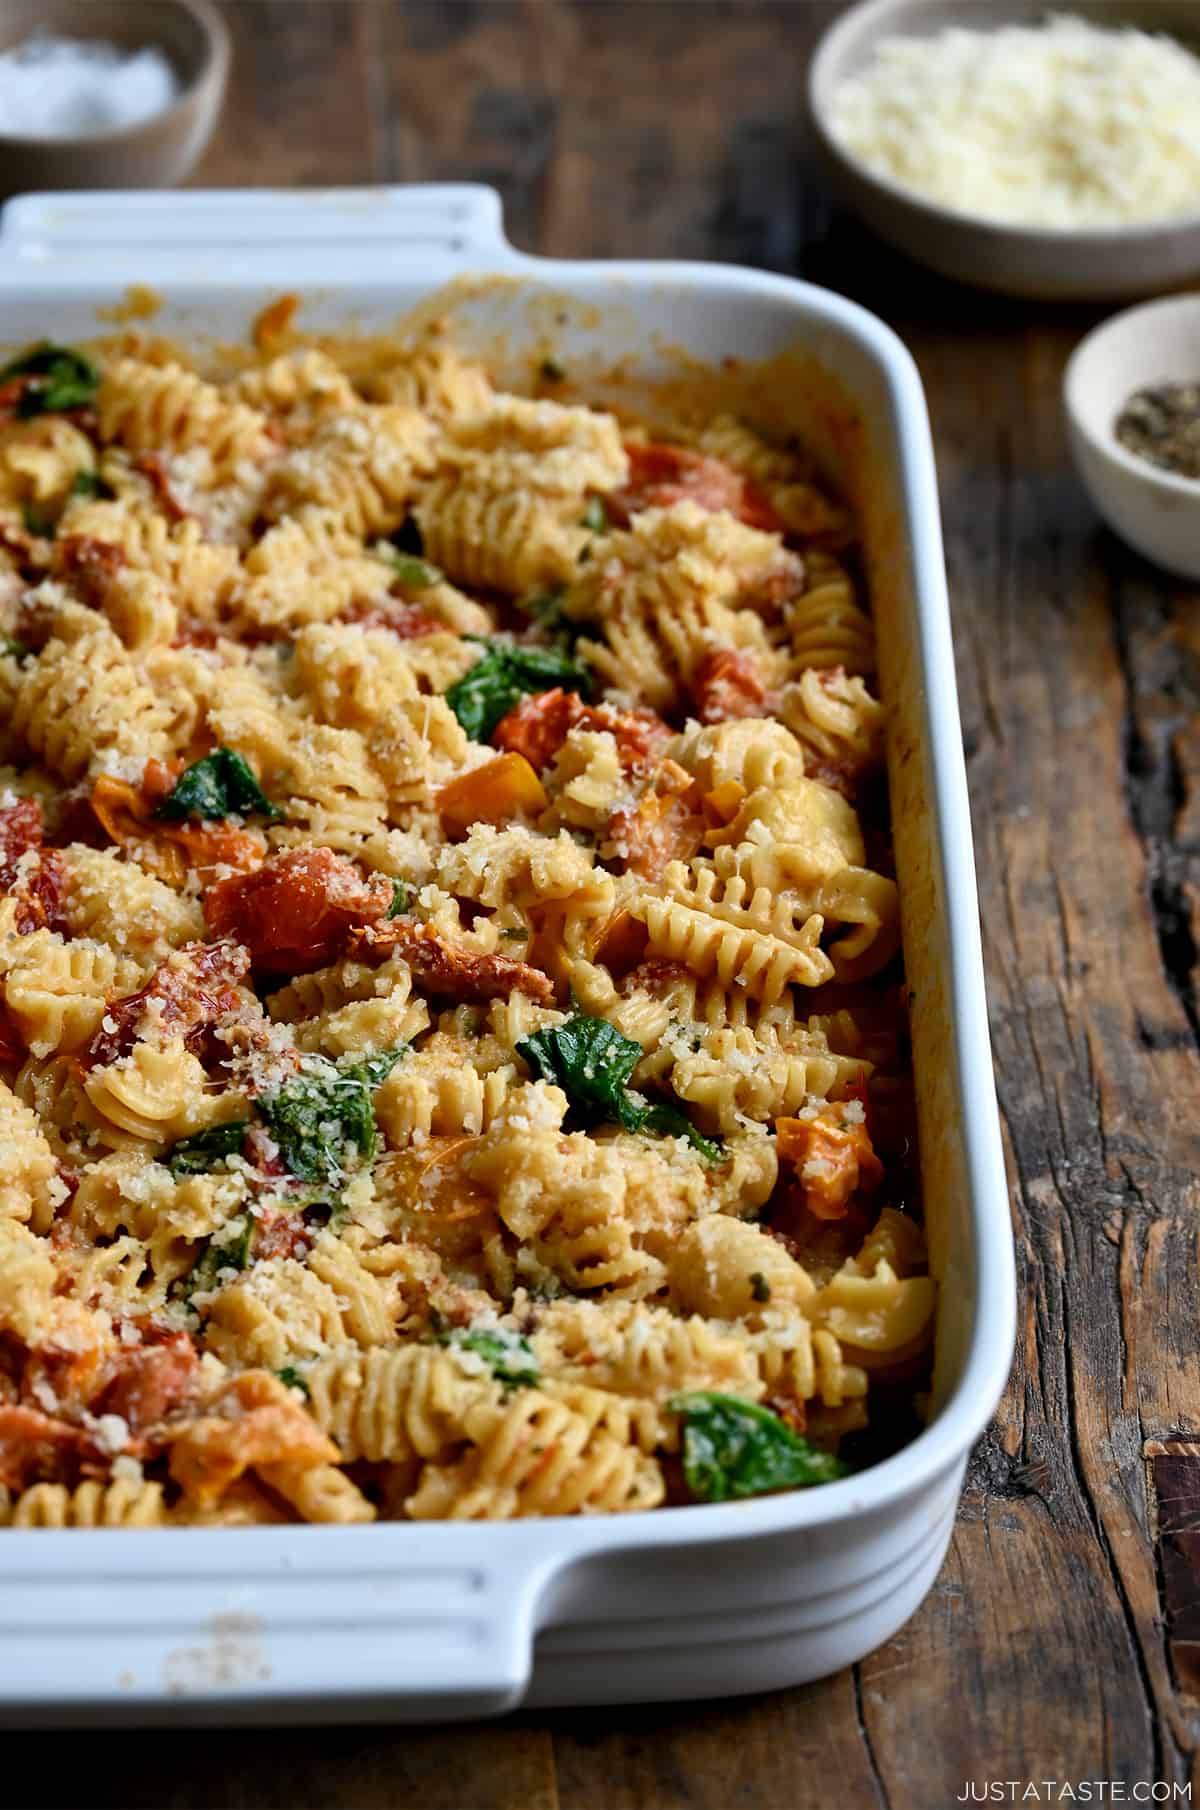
(62, 379)
(595, 516)
(203, 1151)
(592, 1062)
(325, 1117)
(217, 786)
(508, 1356)
(401, 899)
(232, 1252)
(372, 1070)
(733, 1448)
(673, 1122)
(414, 573)
(90, 483)
(292, 1378)
(503, 677)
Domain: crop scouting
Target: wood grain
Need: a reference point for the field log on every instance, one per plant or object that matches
(670, 129)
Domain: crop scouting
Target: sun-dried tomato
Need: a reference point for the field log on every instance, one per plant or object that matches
(90, 565)
(660, 475)
(297, 910)
(20, 830)
(31, 873)
(446, 969)
(191, 992)
(152, 467)
(726, 684)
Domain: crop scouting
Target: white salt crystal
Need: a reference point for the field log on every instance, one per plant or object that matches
(75, 88)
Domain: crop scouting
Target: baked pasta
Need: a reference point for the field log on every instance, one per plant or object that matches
(452, 1048)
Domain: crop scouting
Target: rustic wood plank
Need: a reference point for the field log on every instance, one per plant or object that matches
(299, 105)
(492, 1766)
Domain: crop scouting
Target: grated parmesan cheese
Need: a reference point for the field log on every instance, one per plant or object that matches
(1063, 124)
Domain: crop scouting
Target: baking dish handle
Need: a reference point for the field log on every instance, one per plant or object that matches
(448, 225)
(265, 1623)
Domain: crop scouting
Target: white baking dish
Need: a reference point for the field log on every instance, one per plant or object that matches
(428, 1621)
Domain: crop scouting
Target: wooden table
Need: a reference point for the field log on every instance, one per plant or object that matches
(1062, 1640)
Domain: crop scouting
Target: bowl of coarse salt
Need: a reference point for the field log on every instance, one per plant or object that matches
(101, 94)
(1042, 153)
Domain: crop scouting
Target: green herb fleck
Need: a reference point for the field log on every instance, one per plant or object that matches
(506, 674)
(292, 1378)
(760, 1288)
(733, 1448)
(413, 573)
(62, 379)
(592, 1062)
(595, 516)
(198, 1154)
(17, 649)
(324, 1119)
(231, 1253)
(401, 898)
(516, 936)
(508, 1356)
(90, 483)
(217, 786)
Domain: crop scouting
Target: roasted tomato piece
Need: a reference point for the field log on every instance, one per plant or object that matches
(663, 826)
(192, 991)
(31, 873)
(150, 1382)
(407, 620)
(91, 565)
(538, 726)
(726, 684)
(295, 912)
(35, 1445)
(447, 969)
(832, 1154)
(660, 475)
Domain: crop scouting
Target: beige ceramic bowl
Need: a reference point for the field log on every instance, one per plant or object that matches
(1106, 264)
(158, 151)
(1155, 510)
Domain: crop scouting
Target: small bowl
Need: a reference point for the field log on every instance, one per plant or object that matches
(157, 151)
(1156, 511)
(1043, 263)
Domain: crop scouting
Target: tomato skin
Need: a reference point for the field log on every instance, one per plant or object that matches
(37, 885)
(194, 990)
(660, 474)
(538, 726)
(295, 912)
(151, 1381)
(725, 685)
